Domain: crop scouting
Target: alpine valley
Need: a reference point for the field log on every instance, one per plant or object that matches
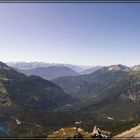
(32, 106)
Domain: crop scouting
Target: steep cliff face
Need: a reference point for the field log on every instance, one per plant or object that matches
(4, 96)
(133, 92)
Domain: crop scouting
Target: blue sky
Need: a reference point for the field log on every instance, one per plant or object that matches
(75, 33)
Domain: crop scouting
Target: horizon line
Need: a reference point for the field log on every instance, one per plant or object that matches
(68, 63)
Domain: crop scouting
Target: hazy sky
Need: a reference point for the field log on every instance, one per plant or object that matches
(84, 34)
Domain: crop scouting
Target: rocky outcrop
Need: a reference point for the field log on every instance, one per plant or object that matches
(68, 133)
(4, 97)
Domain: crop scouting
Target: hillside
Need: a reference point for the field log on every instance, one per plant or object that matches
(120, 102)
(124, 90)
(30, 100)
(4, 97)
(117, 107)
(88, 85)
(31, 91)
(133, 132)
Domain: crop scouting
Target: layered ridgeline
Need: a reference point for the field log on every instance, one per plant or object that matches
(33, 65)
(31, 91)
(88, 85)
(50, 72)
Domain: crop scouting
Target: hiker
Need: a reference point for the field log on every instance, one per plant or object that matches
(106, 136)
(99, 137)
(78, 135)
(96, 134)
(109, 135)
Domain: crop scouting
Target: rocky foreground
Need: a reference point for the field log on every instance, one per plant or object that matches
(67, 133)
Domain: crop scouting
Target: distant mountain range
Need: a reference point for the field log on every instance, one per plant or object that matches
(50, 71)
(33, 65)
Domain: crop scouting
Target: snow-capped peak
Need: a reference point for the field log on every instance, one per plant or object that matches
(118, 68)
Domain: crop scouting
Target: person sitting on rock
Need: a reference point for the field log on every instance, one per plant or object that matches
(109, 135)
(78, 135)
(99, 137)
(96, 134)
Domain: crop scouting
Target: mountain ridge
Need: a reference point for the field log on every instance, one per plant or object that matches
(31, 90)
(93, 82)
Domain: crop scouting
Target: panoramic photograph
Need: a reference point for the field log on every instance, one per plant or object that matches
(70, 71)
